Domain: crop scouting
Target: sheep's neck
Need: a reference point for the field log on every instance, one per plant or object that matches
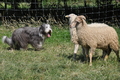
(80, 26)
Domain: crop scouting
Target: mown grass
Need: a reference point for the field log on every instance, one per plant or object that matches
(54, 62)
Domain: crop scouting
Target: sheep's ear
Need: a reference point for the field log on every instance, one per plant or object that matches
(80, 18)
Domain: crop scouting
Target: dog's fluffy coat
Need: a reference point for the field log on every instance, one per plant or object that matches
(35, 36)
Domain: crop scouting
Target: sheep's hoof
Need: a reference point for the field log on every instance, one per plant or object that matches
(118, 60)
(74, 57)
(90, 64)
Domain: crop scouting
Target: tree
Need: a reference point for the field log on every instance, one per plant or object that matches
(103, 2)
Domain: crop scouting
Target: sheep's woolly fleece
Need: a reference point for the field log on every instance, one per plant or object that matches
(100, 37)
(74, 37)
(73, 32)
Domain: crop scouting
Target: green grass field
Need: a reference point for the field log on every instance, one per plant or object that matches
(54, 62)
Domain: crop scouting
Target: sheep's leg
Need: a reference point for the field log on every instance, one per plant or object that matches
(75, 51)
(86, 52)
(117, 54)
(83, 50)
(107, 54)
(116, 50)
(104, 53)
(92, 50)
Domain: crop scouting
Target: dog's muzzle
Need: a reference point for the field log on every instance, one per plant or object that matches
(49, 33)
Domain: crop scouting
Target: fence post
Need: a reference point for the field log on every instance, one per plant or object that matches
(41, 4)
(65, 6)
(85, 3)
(34, 4)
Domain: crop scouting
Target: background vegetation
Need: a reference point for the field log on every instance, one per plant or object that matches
(25, 4)
(106, 11)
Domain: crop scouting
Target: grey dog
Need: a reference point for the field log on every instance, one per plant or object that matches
(35, 36)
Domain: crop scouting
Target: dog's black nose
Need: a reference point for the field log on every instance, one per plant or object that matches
(50, 31)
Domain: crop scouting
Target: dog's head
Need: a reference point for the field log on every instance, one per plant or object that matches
(46, 30)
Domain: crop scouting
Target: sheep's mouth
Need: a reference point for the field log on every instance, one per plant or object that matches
(49, 33)
(67, 16)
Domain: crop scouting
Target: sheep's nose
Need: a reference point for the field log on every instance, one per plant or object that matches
(66, 16)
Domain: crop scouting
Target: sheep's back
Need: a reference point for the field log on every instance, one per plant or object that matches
(97, 25)
(97, 36)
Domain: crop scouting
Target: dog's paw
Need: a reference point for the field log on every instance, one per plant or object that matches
(9, 48)
(39, 49)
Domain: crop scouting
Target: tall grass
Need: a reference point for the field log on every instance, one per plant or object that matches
(54, 62)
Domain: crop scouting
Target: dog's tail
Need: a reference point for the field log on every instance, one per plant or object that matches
(7, 40)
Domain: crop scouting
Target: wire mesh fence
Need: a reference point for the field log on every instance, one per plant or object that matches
(107, 11)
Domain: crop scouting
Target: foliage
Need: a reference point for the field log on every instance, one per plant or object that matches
(2, 5)
(24, 5)
(103, 2)
(58, 3)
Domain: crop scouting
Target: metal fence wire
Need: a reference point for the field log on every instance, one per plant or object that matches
(107, 11)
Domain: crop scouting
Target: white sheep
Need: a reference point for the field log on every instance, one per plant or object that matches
(73, 33)
(90, 38)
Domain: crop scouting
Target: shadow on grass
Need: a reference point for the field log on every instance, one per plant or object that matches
(28, 49)
(80, 58)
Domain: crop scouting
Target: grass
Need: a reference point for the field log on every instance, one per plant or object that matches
(55, 61)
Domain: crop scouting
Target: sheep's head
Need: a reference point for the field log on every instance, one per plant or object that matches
(79, 20)
(71, 17)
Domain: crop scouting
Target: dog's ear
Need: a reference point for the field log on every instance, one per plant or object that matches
(41, 28)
